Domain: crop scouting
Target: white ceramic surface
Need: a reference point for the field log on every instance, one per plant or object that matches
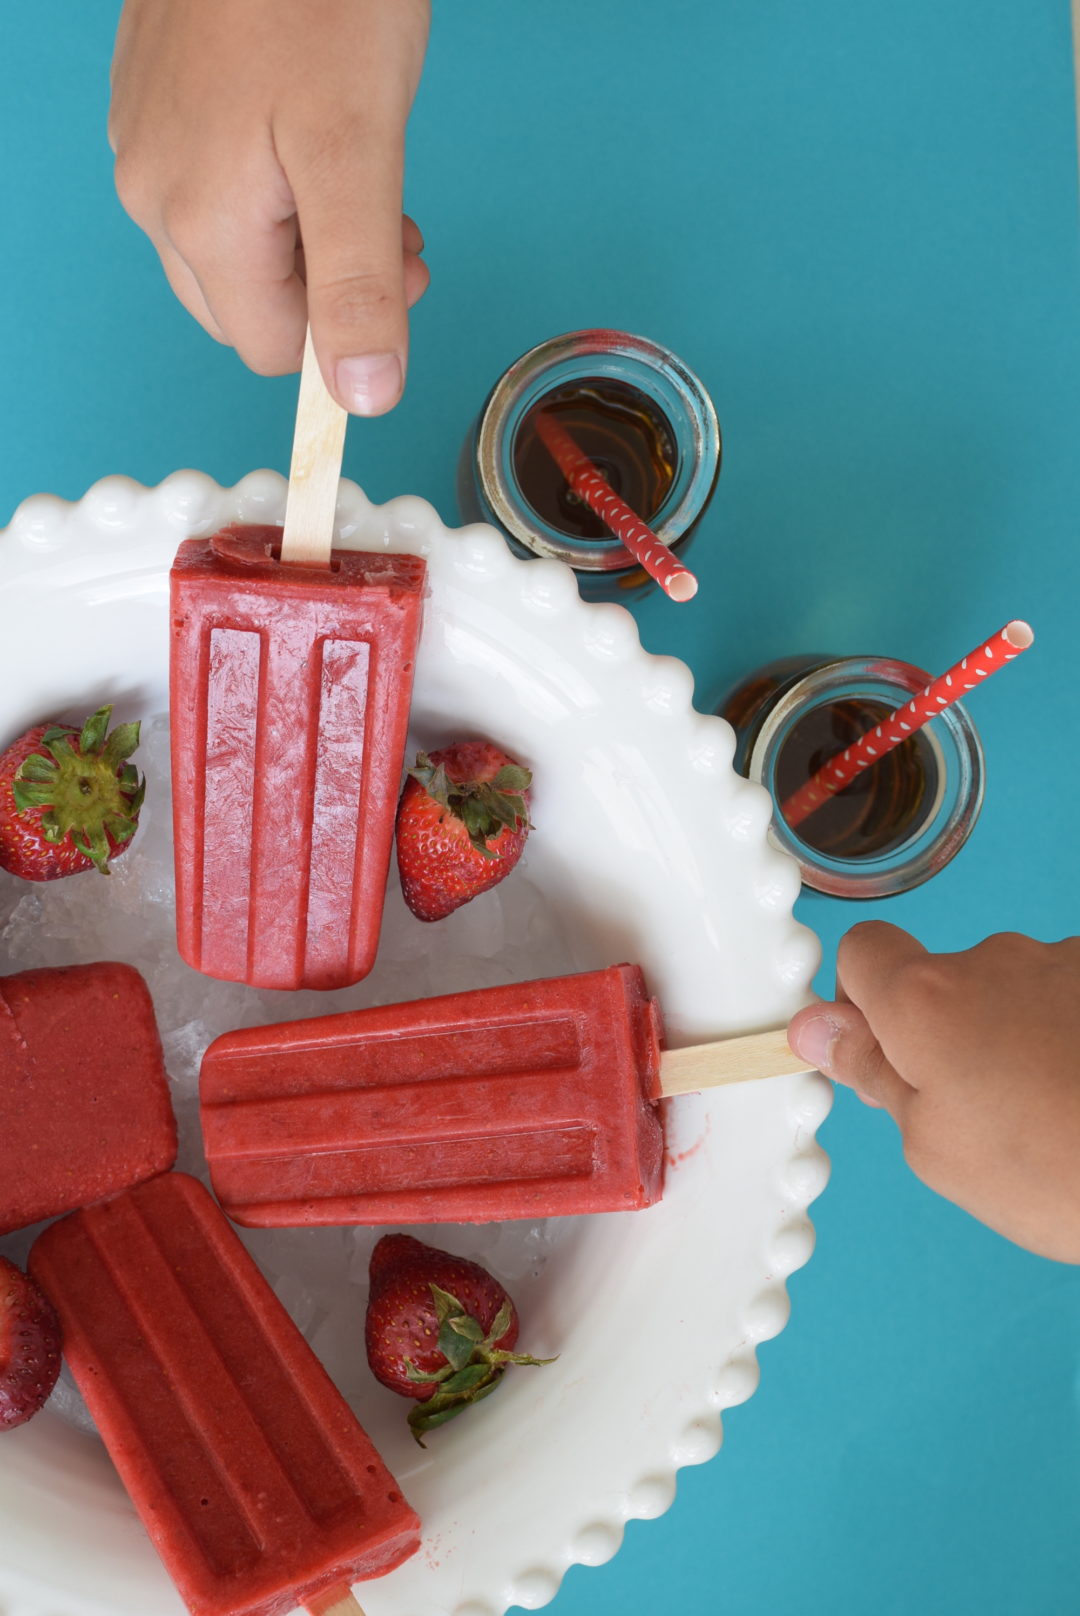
(648, 847)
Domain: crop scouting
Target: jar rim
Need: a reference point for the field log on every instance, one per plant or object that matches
(525, 379)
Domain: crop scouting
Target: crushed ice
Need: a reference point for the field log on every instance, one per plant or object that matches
(320, 1275)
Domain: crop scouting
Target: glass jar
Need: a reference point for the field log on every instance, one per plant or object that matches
(902, 819)
(662, 435)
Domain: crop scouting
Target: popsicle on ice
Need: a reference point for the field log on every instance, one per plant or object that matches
(511, 1102)
(255, 1482)
(290, 689)
(84, 1100)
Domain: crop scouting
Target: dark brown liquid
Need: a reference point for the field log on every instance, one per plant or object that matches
(882, 806)
(625, 435)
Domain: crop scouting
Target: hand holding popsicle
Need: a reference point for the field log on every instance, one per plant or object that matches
(261, 148)
(974, 1055)
(290, 682)
(538, 1099)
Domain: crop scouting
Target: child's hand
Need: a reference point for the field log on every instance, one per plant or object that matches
(977, 1058)
(243, 128)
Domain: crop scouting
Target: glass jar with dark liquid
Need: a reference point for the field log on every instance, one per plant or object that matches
(638, 413)
(898, 822)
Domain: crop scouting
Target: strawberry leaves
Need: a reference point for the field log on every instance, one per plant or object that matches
(474, 1364)
(485, 807)
(81, 788)
(461, 826)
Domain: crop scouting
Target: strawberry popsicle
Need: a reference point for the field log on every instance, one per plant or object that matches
(290, 689)
(84, 1100)
(256, 1484)
(508, 1102)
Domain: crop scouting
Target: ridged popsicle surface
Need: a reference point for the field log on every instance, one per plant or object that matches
(252, 1476)
(531, 1100)
(289, 696)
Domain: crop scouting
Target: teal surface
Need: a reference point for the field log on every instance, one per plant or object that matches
(858, 222)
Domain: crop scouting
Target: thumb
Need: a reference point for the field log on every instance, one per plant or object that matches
(838, 1040)
(349, 213)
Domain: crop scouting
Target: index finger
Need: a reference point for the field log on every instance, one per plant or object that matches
(878, 972)
(349, 207)
(868, 961)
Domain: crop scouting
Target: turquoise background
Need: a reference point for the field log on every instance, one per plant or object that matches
(858, 223)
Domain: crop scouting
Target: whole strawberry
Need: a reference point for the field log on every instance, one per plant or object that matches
(439, 1328)
(29, 1347)
(69, 799)
(461, 825)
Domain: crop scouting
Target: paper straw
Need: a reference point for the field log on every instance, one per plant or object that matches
(940, 693)
(653, 554)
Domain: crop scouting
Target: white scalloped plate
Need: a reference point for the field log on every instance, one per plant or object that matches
(649, 848)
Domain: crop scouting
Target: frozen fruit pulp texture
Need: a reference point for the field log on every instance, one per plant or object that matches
(290, 692)
(254, 1480)
(523, 1101)
(84, 1100)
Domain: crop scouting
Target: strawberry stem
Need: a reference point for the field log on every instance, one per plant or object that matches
(474, 1365)
(84, 790)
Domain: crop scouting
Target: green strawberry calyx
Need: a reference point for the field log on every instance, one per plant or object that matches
(85, 790)
(485, 807)
(474, 1364)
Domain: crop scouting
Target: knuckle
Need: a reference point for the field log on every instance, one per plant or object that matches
(860, 1061)
(358, 299)
(377, 124)
(187, 223)
(327, 145)
(859, 937)
(132, 187)
(211, 327)
(319, 156)
(1006, 945)
(417, 280)
(277, 361)
(914, 1155)
(924, 983)
(922, 1153)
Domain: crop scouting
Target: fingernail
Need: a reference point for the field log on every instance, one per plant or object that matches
(814, 1041)
(370, 384)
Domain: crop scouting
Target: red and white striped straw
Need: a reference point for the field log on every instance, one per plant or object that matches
(940, 693)
(653, 554)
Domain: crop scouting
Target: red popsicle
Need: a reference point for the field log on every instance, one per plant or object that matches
(506, 1102)
(84, 1100)
(525, 1101)
(290, 690)
(254, 1480)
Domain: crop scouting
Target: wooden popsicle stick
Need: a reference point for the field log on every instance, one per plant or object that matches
(729, 1060)
(334, 1602)
(315, 472)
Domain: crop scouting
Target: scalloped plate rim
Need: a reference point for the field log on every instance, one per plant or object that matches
(35, 527)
